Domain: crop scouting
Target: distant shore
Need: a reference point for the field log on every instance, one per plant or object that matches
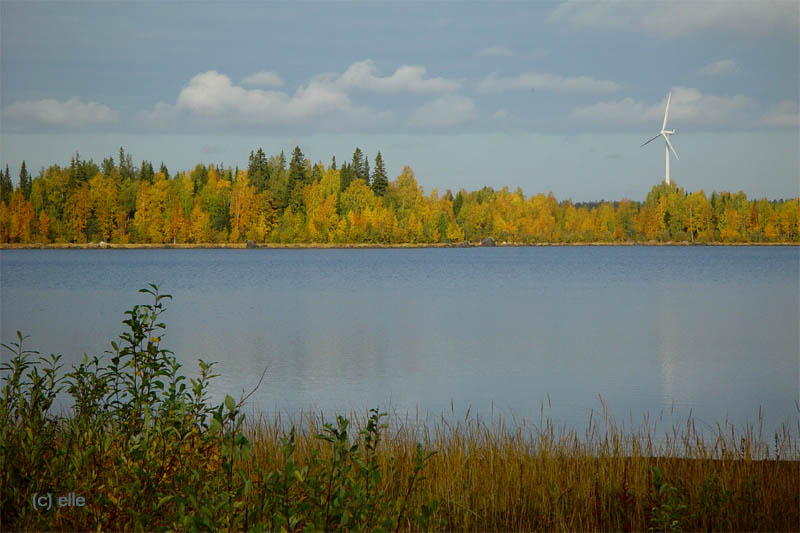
(138, 246)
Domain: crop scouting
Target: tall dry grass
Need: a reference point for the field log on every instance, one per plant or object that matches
(493, 476)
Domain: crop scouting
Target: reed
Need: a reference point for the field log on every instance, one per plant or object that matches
(493, 476)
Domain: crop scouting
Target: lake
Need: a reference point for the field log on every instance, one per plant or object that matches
(509, 331)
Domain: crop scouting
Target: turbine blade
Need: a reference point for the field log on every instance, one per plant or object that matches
(671, 148)
(666, 112)
(651, 140)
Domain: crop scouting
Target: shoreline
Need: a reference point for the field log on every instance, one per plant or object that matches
(314, 246)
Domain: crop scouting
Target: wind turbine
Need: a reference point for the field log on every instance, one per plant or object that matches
(665, 133)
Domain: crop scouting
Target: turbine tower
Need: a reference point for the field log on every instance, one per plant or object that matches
(665, 133)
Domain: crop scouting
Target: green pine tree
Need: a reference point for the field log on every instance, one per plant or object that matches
(126, 170)
(25, 181)
(258, 170)
(297, 168)
(6, 187)
(357, 165)
(345, 176)
(380, 182)
(146, 172)
(298, 177)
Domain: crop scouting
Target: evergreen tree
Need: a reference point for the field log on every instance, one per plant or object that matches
(83, 171)
(365, 174)
(6, 187)
(380, 182)
(25, 181)
(258, 170)
(297, 168)
(458, 202)
(333, 163)
(75, 176)
(345, 176)
(298, 177)
(199, 177)
(126, 170)
(357, 165)
(164, 170)
(108, 167)
(316, 173)
(146, 172)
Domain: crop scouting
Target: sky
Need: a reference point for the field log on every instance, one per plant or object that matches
(547, 96)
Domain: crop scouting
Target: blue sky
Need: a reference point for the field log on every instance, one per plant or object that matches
(546, 96)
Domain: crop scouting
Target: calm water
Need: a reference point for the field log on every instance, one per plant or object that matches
(649, 329)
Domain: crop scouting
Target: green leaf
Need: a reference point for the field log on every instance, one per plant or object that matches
(230, 403)
(164, 500)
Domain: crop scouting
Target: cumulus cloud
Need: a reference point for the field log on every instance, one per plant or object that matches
(785, 114)
(72, 112)
(362, 76)
(673, 19)
(495, 51)
(447, 110)
(688, 105)
(212, 96)
(546, 82)
(263, 79)
(723, 66)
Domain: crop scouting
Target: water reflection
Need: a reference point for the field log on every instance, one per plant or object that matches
(708, 329)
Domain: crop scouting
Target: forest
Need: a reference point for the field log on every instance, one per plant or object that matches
(275, 201)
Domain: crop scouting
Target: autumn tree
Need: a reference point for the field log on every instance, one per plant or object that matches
(105, 205)
(77, 213)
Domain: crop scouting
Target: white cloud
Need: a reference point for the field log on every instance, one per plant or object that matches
(785, 114)
(263, 79)
(688, 105)
(495, 51)
(546, 82)
(723, 66)
(72, 112)
(361, 76)
(500, 114)
(676, 18)
(212, 94)
(447, 110)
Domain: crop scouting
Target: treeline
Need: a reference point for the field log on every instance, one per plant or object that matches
(295, 201)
